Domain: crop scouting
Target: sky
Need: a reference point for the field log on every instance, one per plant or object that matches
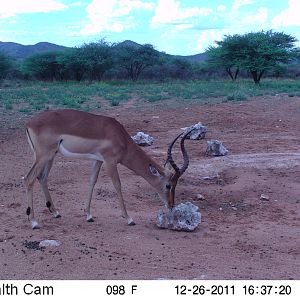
(183, 27)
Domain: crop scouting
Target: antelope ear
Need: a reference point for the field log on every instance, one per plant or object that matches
(154, 171)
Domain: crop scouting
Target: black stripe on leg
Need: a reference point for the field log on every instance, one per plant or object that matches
(28, 210)
(48, 204)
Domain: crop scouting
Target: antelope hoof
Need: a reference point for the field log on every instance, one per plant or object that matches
(57, 215)
(130, 222)
(35, 225)
(89, 218)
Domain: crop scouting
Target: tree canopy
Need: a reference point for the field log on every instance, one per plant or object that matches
(5, 64)
(134, 59)
(256, 52)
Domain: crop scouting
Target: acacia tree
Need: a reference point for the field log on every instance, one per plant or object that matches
(256, 52)
(43, 66)
(97, 59)
(226, 55)
(5, 65)
(135, 58)
(72, 64)
(89, 61)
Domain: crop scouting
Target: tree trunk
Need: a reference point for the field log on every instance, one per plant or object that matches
(233, 77)
(255, 77)
(260, 75)
(228, 70)
(236, 73)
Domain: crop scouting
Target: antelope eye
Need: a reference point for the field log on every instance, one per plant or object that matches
(168, 186)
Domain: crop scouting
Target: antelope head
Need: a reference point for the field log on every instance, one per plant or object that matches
(172, 172)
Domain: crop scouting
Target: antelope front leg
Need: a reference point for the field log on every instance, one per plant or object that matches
(29, 182)
(43, 180)
(93, 179)
(114, 175)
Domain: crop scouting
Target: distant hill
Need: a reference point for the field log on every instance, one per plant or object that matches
(190, 58)
(20, 52)
(128, 43)
(196, 57)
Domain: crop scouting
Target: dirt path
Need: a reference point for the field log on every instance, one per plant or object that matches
(240, 237)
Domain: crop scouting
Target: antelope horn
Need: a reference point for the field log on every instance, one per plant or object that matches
(184, 153)
(179, 172)
(170, 158)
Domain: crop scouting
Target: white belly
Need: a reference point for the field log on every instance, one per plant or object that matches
(64, 151)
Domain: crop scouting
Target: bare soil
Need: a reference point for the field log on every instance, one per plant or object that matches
(240, 237)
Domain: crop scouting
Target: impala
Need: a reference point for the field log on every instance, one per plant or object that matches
(102, 139)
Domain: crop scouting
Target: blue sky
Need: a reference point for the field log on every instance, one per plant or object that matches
(183, 27)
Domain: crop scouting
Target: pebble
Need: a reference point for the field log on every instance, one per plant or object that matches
(49, 243)
(264, 197)
(200, 197)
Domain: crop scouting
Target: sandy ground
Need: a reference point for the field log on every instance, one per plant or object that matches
(240, 237)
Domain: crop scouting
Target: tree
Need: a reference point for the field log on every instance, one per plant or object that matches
(135, 58)
(5, 65)
(226, 55)
(97, 59)
(256, 52)
(89, 61)
(43, 66)
(72, 64)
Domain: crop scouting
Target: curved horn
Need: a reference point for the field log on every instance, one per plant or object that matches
(179, 172)
(184, 153)
(170, 158)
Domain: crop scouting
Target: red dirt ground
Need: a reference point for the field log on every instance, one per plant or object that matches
(240, 237)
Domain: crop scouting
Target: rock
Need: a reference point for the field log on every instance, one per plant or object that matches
(49, 243)
(184, 216)
(216, 148)
(264, 197)
(143, 139)
(198, 133)
(200, 197)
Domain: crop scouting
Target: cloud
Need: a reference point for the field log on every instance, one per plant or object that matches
(10, 8)
(239, 3)
(221, 7)
(289, 16)
(261, 16)
(208, 38)
(170, 12)
(112, 15)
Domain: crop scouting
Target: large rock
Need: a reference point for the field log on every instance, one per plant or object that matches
(216, 148)
(143, 139)
(198, 132)
(184, 216)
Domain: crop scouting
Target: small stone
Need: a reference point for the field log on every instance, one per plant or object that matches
(143, 139)
(216, 148)
(264, 197)
(49, 243)
(200, 197)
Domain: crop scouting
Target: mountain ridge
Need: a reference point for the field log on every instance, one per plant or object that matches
(21, 52)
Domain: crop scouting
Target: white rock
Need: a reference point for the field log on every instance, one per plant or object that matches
(216, 148)
(49, 243)
(198, 132)
(143, 139)
(184, 216)
(200, 197)
(264, 197)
